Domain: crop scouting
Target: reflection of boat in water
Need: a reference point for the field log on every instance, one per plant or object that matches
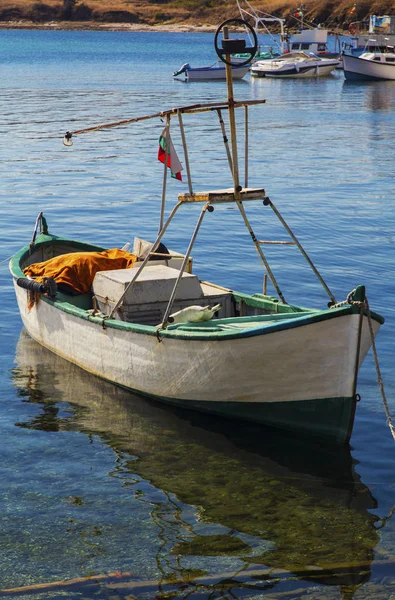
(379, 96)
(296, 508)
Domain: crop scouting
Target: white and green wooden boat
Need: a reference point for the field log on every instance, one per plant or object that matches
(259, 358)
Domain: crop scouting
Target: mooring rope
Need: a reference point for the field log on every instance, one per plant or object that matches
(6, 259)
(348, 300)
(380, 382)
(379, 377)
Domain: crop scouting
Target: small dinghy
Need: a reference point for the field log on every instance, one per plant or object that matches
(146, 321)
(214, 71)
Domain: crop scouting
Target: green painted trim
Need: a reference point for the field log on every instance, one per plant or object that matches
(270, 303)
(285, 317)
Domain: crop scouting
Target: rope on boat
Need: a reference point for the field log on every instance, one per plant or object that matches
(379, 377)
(348, 300)
(6, 259)
(365, 305)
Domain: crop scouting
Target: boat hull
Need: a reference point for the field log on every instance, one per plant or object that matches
(295, 71)
(215, 73)
(360, 69)
(299, 379)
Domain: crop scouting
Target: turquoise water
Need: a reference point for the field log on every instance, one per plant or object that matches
(95, 480)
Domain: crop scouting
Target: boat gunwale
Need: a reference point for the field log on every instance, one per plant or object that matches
(189, 331)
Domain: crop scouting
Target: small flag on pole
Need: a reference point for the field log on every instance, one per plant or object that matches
(299, 13)
(172, 159)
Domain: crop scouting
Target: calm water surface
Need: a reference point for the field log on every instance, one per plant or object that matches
(95, 480)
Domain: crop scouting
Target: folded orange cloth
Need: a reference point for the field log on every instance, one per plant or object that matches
(78, 269)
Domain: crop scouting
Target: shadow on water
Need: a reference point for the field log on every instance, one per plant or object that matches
(289, 511)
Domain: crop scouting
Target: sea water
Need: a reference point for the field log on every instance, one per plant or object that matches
(95, 480)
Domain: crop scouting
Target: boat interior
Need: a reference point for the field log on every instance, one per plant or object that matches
(298, 56)
(146, 299)
(160, 283)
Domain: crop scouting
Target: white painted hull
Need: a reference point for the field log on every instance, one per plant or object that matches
(215, 73)
(294, 69)
(318, 71)
(357, 68)
(303, 363)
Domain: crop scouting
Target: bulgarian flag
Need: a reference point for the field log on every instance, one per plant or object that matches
(172, 159)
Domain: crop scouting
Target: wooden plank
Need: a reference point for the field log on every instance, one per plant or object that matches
(191, 109)
(225, 195)
(66, 584)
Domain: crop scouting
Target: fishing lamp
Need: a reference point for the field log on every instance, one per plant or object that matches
(67, 141)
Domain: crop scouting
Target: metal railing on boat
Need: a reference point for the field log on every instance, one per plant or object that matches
(238, 194)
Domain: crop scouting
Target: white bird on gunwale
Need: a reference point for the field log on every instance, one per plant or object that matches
(194, 314)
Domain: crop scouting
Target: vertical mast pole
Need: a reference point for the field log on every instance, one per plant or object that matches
(184, 143)
(225, 138)
(246, 146)
(167, 138)
(232, 123)
(235, 171)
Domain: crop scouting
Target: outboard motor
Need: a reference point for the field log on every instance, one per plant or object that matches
(183, 69)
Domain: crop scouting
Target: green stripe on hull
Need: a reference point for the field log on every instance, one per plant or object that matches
(329, 419)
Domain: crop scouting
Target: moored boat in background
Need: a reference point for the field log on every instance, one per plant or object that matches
(312, 40)
(370, 66)
(214, 71)
(295, 64)
(309, 38)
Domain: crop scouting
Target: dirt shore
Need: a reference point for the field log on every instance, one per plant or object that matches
(96, 26)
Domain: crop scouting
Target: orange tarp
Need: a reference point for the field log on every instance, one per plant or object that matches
(78, 269)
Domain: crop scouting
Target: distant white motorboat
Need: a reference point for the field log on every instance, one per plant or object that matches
(295, 64)
(370, 66)
(214, 71)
